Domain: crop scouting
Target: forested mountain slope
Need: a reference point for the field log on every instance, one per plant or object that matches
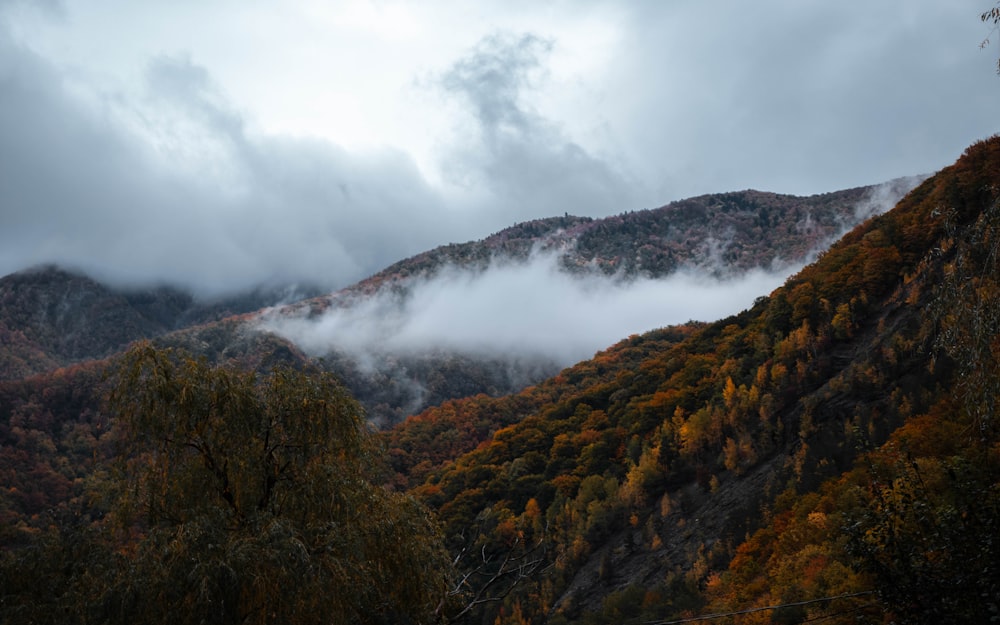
(829, 454)
(52, 422)
(52, 317)
(638, 484)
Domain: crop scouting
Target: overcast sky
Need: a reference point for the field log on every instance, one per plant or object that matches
(221, 144)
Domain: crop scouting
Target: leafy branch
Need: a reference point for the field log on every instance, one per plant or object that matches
(993, 15)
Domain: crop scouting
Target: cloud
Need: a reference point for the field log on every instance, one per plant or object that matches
(170, 182)
(172, 185)
(492, 77)
(530, 309)
(799, 97)
(883, 197)
(536, 311)
(134, 143)
(525, 159)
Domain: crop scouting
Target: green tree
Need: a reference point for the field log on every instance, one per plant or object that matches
(244, 499)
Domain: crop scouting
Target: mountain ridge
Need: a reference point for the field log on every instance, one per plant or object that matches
(648, 244)
(51, 317)
(719, 427)
(584, 241)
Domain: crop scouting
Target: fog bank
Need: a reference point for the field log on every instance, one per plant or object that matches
(530, 309)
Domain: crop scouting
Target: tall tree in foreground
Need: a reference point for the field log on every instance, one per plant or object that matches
(930, 534)
(240, 499)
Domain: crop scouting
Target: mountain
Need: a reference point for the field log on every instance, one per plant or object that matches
(714, 236)
(51, 317)
(57, 327)
(722, 233)
(828, 455)
(719, 468)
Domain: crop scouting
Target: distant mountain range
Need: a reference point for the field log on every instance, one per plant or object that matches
(51, 317)
(721, 233)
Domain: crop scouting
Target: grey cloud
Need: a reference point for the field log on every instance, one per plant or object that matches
(52, 158)
(884, 197)
(187, 90)
(171, 186)
(801, 97)
(525, 159)
(492, 77)
(172, 181)
(51, 8)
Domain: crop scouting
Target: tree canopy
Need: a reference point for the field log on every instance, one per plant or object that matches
(240, 498)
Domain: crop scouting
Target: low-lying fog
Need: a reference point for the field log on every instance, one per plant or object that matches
(526, 309)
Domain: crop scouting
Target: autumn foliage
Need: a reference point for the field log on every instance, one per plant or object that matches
(828, 455)
(760, 421)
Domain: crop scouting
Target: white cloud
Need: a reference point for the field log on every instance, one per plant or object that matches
(175, 187)
(530, 309)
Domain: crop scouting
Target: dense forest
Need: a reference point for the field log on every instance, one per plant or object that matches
(836, 440)
(830, 454)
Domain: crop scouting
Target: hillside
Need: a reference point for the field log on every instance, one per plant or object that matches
(51, 317)
(722, 232)
(832, 450)
(638, 484)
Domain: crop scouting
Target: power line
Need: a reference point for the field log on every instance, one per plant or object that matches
(710, 617)
(826, 617)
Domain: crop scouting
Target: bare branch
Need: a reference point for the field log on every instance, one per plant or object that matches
(495, 575)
